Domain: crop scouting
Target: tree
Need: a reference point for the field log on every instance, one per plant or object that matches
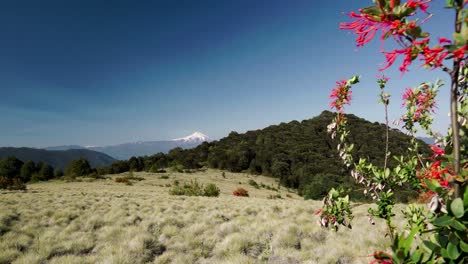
(438, 233)
(78, 167)
(45, 172)
(27, 170)
(58, 173)
(10, 167)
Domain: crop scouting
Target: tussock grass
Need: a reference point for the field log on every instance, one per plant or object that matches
(109, 222)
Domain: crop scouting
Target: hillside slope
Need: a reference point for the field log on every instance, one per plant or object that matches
(57, 158)
(301, 154)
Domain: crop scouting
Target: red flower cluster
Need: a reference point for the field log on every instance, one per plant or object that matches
(423, 99)
(437, 172)
(341, 95)
(437, 151)
(366, 24)
(370, 20)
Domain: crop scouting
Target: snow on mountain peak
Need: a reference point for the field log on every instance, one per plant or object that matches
(195, 137)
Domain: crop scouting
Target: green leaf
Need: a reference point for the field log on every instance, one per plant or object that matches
(387, 172)
(429, 246)
(465, 197)
(409, 240)
(433, 185)
(457, 207)
(372, 10)
(444, 220)
(457, 225)
(464, 246)
(452, 251)
(354, 79)
(416, 256)
(453, 239)
(459, 38)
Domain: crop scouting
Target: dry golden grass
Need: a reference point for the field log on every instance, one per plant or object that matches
(109, 222)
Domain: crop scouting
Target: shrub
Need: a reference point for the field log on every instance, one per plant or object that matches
(275, 196)
(241, 192)
(122, 180)
(11, 184)
(211, 190)
(194, 188)
(254, 184)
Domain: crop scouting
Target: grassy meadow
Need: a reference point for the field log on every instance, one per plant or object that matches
(103, 221)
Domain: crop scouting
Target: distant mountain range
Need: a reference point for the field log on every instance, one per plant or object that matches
(427, 140)
(142, 148)
(57, 158)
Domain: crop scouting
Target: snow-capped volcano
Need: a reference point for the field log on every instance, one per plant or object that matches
(196, 137)
(144, 148)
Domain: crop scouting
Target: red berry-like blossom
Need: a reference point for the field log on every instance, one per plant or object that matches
(460, 53)
(341, 95)
(437, 151)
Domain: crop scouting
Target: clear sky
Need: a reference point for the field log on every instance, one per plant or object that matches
(101, 72)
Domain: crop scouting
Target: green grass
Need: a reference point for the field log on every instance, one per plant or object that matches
(108, 222)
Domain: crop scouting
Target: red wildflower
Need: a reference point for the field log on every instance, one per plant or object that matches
(437, 172)
(365, 26)
(341, 95)
(460, 53)
(391, 56)
(318, 212)
(437, 151)
(422, 4)
(444, 40)
(434, 57)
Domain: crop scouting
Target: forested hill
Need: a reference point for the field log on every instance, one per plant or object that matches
(296, 152)
(300, 154)
(57, 158)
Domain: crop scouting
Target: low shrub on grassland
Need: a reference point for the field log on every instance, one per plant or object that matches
(194, 188)
(241, 192)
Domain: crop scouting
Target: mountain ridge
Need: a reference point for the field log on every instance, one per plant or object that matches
(57, 158)
(125, 151)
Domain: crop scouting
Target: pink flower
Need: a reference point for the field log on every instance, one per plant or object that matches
(408, 94)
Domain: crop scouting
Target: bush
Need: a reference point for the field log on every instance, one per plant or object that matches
(211, 190)
(11, 184)
(194, 188)
(275, 196)
(241, 192)
(122, 180)
(254, 184)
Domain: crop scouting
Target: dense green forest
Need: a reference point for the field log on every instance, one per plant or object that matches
(14, 173)
(300, 154)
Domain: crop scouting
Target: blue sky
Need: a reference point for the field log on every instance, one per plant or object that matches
(107, 72)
